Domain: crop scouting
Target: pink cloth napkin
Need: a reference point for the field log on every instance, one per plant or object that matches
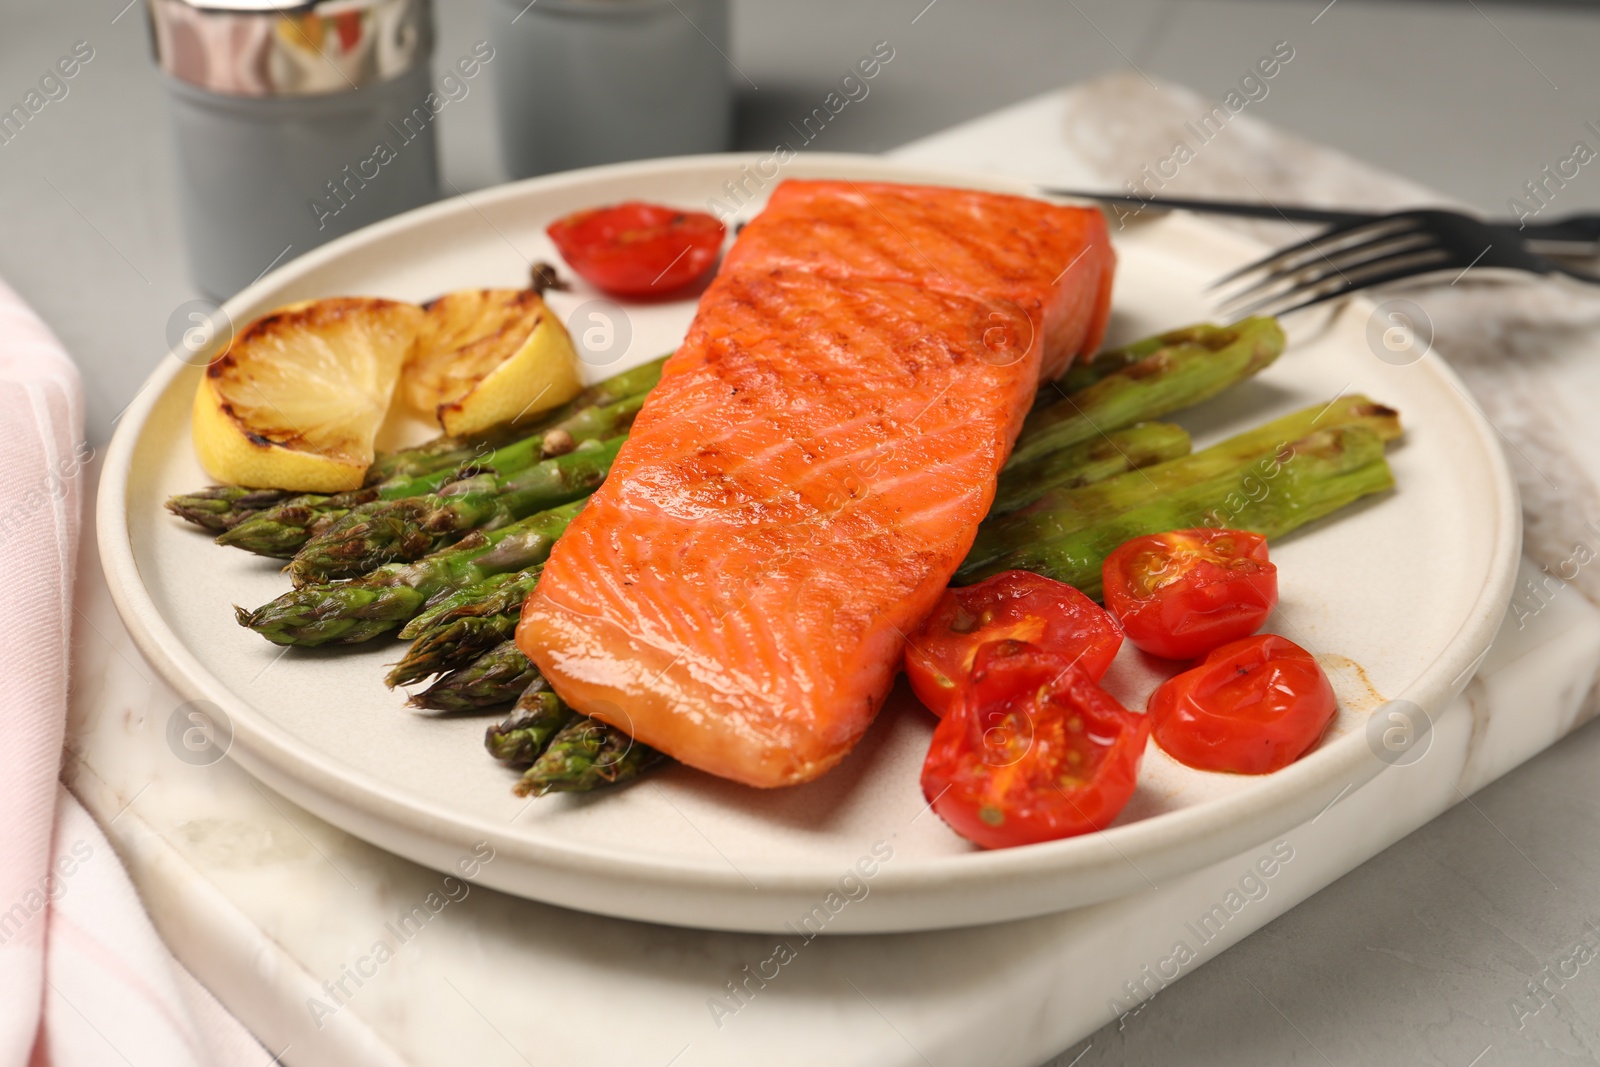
(84, 978)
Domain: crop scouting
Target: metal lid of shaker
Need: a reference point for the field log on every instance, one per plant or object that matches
(312, 48)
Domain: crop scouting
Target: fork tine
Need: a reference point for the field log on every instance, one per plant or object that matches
(1388, 268)
(1308, 248)
(1377, 272)
(1337, 261)
(1355, 241)
(1398, 274)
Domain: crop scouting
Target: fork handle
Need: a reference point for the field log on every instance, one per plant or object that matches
(1229, 207)
(1578, 229)
(1584, 228)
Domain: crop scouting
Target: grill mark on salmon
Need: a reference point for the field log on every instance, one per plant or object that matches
(812, 468)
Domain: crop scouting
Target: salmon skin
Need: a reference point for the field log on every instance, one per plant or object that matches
(797, 491)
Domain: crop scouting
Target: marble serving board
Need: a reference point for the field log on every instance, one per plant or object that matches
(334, 952)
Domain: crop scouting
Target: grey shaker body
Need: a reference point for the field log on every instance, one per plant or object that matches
(293, 124)
(265, 179)
(582, 82)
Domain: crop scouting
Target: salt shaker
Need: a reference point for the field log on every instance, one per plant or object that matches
(582, 82)
(293, 124)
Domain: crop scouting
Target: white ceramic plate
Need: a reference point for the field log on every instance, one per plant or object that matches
(1400, 595)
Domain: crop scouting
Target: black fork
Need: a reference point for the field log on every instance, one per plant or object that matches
(1377, 251)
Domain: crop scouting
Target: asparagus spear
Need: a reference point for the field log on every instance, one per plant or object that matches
(538, 715)
(1085, 373)
(284, 530)
(219, 507)
(397, 530)
(1270, 490)
(630, 383)
(446, 453)
(1189, 366)
(442, 453)
(493, 680)
(568, 752)
(359, 610)
(450, 453)
(222, 508)
(280, 531)
(462, 626)
(448, 647)
(1142, 445)
(499, 594)
(586, 754)
(1060, 512)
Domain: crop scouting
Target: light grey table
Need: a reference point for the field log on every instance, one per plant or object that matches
(1405, 958)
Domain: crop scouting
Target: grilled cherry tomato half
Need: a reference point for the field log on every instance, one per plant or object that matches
(637, 249)
(1181, 594)
(1015, 605)
(1035, 750)
(1252, 707)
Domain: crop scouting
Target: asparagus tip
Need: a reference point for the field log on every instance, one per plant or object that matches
(528, 785)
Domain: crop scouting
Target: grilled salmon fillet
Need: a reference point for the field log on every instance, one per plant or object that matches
(813, 466)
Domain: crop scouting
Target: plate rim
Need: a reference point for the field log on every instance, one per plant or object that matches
(269, 752)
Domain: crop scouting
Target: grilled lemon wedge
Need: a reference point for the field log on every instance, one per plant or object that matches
(487, 357)
(295, 401)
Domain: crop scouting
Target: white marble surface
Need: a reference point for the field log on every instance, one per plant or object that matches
(266, 904)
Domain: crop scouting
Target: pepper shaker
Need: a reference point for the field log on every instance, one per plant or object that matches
(293, 124)
(598, 81)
